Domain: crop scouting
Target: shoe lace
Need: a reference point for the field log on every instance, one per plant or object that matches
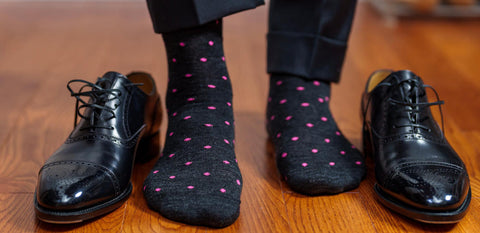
(99, 97)
(411, 93)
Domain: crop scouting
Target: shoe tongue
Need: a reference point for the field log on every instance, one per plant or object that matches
(109, 78)
(404, 75)
(410, 85)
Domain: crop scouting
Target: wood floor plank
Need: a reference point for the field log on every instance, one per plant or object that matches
(338, 213)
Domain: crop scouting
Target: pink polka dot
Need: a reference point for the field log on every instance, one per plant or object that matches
(158, 189)
(284, 154)
(314, 150)
(171, 155)
(170, 134)
(174, 114)
(233, 141)
(279, 83)
(283, 101)
(203, 59)
(223, 190)
(155, 172)
(304, 164)
(212, 107)
(331, 163)
(229, 104)
(342, 152)
(320, 100)
(294, 138)
(327, 98)
(144, 187)
(187, 139)
(226, 162)
(316, 83)
(211, 86)
(174, 60)
(182, 44)
(238, 182)
(206, 173)
(338, 133)
(223, 58)
(208, 125)
(353, 147)
(187, 117)
(188, 75)
(207, 147)
(310, 125)
(190, 187)
(191, 99)
(324, 119)
(210, 43)
(272, 118)
(305, 104)
(300, 88)
(236, 161)
(224, 77)
(174, 90)
(358, 162)
(188, 163)
(226, 141)
(279, 135)
(227, 123)
(172, 177)
(288, 118)
(269, 99)
(327, 140)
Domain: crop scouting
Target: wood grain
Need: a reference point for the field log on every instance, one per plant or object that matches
(43, 45)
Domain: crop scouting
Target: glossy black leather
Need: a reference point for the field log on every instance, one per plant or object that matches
(94, 165)
(414, 163)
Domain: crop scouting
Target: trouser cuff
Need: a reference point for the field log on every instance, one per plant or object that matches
(307, 55)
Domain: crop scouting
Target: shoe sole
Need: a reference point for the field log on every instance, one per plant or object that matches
(77, 216)
(422, 215)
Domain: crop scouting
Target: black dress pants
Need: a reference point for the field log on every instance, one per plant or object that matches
(307, 38)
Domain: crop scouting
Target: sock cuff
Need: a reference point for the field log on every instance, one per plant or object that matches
(213, 27)
(278, 76)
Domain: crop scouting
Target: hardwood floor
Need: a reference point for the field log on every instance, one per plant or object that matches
(43, 45)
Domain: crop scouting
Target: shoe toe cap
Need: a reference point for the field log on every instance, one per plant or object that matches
(430, 187)
(73, 185)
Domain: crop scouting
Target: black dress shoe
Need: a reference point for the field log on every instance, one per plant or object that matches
(89, 175)
(418, 173)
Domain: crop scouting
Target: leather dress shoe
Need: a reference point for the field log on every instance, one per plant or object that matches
(89, 175)
(418, 173)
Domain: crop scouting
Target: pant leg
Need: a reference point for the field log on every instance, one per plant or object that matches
(172, 15)
(308, 38)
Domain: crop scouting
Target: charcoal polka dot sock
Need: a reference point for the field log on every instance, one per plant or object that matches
(197, 180)
(312, 154)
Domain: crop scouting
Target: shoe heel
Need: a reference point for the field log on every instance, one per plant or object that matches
(367, 143)
(148, 148)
